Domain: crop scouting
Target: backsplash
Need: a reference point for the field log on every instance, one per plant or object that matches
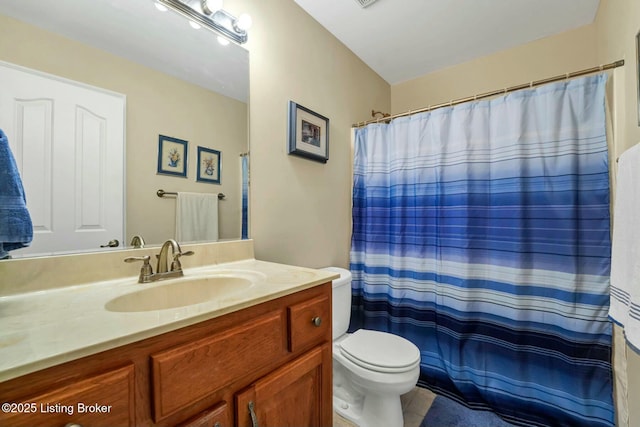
(19, 276)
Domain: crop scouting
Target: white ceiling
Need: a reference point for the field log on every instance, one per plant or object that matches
(399, 39)
(137, 31)
(404, 39)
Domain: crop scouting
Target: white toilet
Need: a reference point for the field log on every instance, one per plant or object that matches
(371, 369)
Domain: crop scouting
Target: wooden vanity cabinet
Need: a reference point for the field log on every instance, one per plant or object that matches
(275, 355)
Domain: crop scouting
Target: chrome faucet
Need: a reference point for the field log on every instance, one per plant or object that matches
(137, 242)
(163, 260)
(162, 270)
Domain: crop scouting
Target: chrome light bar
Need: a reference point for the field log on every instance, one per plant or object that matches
(220, 22)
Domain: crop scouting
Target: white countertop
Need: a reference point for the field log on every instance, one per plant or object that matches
(45, 328)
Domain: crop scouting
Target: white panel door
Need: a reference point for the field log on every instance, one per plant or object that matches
(68, 141)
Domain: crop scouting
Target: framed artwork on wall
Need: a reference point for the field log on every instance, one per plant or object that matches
(308, 133)
(172, 156)
(208, 165)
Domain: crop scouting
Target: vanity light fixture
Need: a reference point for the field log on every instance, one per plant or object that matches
(243, 23)
(210, 7)
(161, 7)
(218, 21)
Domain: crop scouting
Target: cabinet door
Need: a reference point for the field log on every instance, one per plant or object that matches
(297, 394)
(105, 400)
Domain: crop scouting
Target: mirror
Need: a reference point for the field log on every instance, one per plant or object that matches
(178, 82)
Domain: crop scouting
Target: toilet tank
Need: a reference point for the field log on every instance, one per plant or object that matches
(341, 301)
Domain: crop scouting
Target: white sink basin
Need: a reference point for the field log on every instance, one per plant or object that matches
(180, 293)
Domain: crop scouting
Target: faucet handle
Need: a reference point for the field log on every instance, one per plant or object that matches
(146, 271)
(145, 259)
(175, 265)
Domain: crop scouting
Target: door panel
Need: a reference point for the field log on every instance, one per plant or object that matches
(68, 141)
(36, 167)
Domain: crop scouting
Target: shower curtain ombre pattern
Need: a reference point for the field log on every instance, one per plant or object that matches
(481, 234)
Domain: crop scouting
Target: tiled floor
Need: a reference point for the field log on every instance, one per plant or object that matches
(415, 405)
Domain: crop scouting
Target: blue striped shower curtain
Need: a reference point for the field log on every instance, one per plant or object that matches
(244, 163)
(481, 234)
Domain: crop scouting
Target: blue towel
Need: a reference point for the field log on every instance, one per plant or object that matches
(16, 229)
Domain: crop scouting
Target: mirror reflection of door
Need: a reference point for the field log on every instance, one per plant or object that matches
(74, 134)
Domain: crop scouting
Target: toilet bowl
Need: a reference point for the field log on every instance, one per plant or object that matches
(371, 369)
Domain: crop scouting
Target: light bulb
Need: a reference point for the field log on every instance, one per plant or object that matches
(161, 7)
(194, 25)
(223, 41)
(244, 22)
(210, 7)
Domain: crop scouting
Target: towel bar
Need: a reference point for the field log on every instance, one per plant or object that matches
(162, 193)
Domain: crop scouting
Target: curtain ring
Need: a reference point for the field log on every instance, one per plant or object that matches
(601, 67)
(566, 76)
(451, 103)
(531, 84)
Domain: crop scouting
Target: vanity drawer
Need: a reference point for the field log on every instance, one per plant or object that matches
(309, 322)
(185, 374)
(105, 399)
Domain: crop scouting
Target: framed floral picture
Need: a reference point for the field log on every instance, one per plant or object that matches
(308, 133)
(172, 156)
(208, 165)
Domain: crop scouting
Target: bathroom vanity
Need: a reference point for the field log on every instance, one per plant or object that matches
(260, 357)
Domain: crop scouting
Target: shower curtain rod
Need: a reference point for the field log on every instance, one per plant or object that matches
(557, 78)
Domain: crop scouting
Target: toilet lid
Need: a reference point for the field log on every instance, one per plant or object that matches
(380, 351)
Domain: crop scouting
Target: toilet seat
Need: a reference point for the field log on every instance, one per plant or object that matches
(380, 351)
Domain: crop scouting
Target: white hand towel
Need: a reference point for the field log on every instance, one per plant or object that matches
(625, 253)
(196, 217)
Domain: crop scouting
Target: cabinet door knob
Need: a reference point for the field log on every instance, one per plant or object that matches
(72, 425)
(317, 321)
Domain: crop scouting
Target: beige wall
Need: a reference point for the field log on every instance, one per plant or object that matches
(301, 209)
(156, 104)
(566, 52)
(617, 23)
